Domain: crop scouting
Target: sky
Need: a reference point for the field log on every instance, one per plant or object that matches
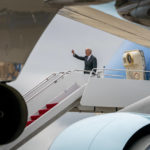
(52, 53)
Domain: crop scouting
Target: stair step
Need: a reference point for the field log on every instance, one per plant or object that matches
(49, 106)
(43, 111)
(35, 117)
(29, 122)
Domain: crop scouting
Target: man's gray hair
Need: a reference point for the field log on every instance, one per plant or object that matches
(89, 49)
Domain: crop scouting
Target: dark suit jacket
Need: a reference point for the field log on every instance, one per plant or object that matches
(89, 64)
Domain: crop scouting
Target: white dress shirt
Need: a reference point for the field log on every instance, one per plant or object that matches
(89, 58)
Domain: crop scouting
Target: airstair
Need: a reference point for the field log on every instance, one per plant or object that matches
(49, 100)
(75, 91)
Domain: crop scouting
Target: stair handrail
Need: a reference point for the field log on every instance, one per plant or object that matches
(42, 83)
(53, 82)
(132, 70)
(39, 84)
(80, 70)
(103, 69)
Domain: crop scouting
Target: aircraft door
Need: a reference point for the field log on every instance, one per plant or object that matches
(134, 60)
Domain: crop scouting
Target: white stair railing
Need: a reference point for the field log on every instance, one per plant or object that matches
(48, 90)
(40, 84)
(53, 78)
(100, 72)
(42, 87)
(28, 96)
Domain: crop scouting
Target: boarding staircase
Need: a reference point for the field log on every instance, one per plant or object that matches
(65, 91)
(49, 100)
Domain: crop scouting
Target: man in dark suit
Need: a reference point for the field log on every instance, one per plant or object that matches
(89, 60)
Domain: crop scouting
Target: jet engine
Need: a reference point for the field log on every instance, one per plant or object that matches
(116, 131)
(134, 10)
(13, 114)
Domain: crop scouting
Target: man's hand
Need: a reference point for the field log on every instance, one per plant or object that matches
(73, 52)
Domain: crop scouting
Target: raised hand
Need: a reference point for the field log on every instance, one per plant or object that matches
(73, 52)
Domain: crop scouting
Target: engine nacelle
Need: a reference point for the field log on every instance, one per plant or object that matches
(135, 10)
(13, 114)
(116, 131)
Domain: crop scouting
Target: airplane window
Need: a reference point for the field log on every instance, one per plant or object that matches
(148, 148)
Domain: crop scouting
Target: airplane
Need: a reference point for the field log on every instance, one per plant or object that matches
(21, 25)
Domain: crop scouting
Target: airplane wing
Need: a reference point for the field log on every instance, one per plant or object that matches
(20, 29)
(108, 23)
(23, 21)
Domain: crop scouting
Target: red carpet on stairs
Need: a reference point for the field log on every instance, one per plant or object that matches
(40, 113)
(35, 117)
(49, 106)
(43, 111)
(29, 122)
